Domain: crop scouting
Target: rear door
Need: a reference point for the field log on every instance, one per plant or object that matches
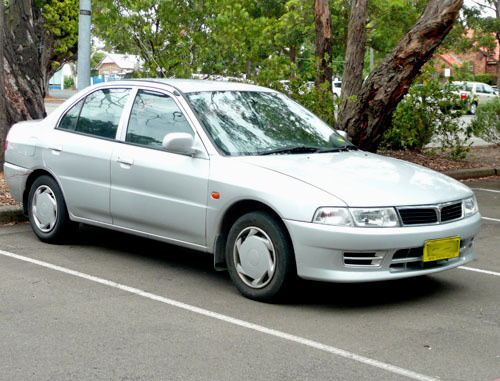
(79, 152)
(160, 193)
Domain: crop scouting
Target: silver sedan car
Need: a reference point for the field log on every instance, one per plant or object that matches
(242, 172)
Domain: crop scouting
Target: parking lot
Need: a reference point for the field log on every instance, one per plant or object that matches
(111, 306)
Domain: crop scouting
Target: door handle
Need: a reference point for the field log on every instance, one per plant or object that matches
(125, 160)
(56, 147)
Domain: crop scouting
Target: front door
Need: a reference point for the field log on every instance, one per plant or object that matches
(153, 191)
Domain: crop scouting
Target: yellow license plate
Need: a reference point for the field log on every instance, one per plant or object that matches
(444, 248)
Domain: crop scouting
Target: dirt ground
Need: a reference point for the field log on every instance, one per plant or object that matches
(478, 157)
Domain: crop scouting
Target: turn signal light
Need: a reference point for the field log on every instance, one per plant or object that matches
(215, 195)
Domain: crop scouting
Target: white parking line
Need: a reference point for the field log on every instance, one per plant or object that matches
(490, 219)
(228, 319)
(486, 190)
(479, 270)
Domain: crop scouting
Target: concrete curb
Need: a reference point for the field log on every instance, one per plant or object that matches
(11, 214)
(473, 173)
(15, 213)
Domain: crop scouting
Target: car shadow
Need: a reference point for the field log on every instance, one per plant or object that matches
(370, 294)
(304, 292)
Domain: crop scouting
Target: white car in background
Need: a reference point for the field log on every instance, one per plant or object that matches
(336, 88)
(476, 93)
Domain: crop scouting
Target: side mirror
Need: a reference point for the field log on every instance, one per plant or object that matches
(179, 142)
(343, 134)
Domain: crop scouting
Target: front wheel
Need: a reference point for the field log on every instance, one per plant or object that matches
(47, 211)
(259, 257)
(473, 108)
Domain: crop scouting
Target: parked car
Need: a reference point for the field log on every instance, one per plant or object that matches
(476, 93)
(336, 88)
(242, 172)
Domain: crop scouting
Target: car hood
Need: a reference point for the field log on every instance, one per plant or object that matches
(363, 179)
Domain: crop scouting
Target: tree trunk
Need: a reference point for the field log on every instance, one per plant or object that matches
(366, 119)
(25, 80)
(497, 8)
(355, 52)
(3, 110)
(323, 24)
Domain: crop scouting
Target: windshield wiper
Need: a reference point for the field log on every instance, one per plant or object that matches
(338, 149)
(298, 149)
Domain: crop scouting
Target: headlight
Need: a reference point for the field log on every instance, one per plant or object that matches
(362, 217)
(333, 216)
(470, 206)
(375, 217)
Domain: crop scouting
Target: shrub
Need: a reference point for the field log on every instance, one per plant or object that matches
(486, 125)
(68, 83)
(490, 79)
(429, 111)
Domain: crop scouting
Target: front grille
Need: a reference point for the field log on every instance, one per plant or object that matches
(451, 212)
(418, 216)
(430, 214)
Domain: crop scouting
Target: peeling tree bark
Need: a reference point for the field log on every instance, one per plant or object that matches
(366, 119)
(25, 82)
(28, 55)
(3, 110)
(323, 24)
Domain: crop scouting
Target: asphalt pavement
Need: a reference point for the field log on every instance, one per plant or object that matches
(113, 306)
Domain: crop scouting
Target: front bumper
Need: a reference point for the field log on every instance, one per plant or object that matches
(330, 253)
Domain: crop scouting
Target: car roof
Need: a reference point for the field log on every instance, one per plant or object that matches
(470, 82)
(196, 85)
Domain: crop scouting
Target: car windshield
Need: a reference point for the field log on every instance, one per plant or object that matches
(257, 123)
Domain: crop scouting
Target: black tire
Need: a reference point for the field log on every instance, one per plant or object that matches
(473, 108)
(260, 236)
(47, 211)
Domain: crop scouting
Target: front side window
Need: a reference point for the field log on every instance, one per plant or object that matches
(488, 89)
(153, 116)
(101, 112)
(252, 122)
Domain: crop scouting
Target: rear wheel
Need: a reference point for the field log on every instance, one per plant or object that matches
(259, 256)
(47, 211)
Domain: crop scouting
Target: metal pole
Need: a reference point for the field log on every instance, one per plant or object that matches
(84, 45)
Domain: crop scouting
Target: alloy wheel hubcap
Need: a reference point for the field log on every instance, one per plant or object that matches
(254, 257)
(44, 207)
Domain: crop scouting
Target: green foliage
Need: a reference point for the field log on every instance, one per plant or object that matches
(490, 79)
(429, 111)
(486, 125)
(462, 73)
(257, 38)
(61, 21)
(68, 83)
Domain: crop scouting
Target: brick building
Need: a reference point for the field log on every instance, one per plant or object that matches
(480, 62)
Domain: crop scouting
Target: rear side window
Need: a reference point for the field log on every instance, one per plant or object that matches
(68, 122)
(101, 112)
(153, 116)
